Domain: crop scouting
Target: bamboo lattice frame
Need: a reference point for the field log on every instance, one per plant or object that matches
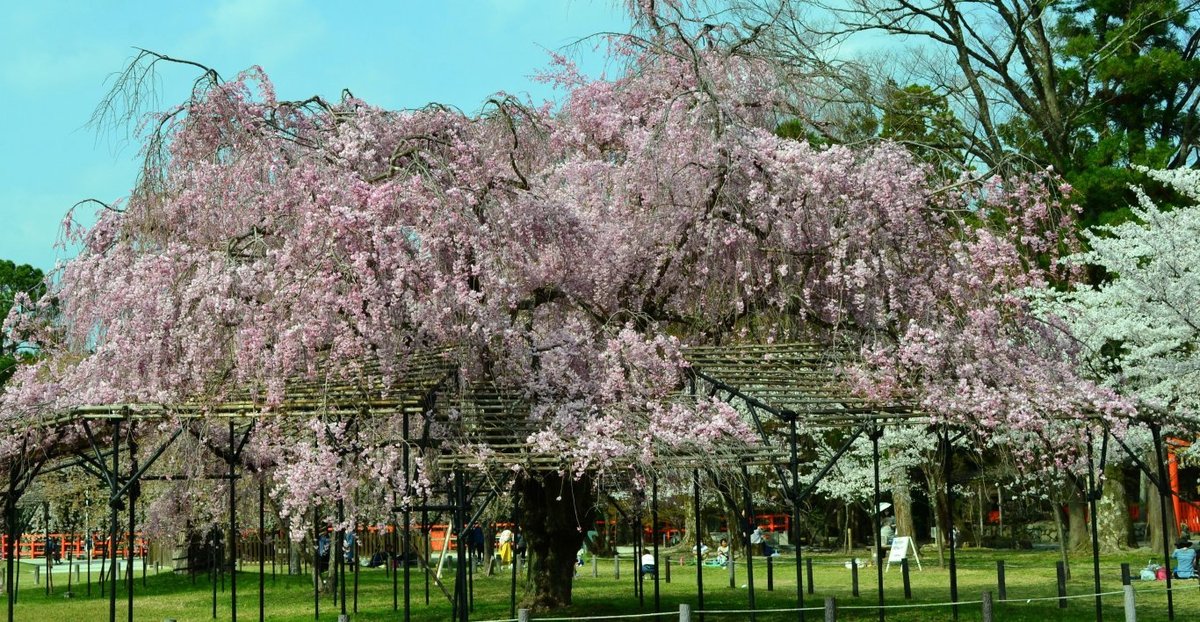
(788, 380)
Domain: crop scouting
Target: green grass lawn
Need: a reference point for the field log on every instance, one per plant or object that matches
(1030, 576)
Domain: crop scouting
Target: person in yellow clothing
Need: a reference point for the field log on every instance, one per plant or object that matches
(506, 547)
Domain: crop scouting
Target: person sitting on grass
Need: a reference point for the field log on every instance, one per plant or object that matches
(1185, 559)
(723, 552)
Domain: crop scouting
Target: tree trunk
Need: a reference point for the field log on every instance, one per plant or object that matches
(1062, 535)
(902, 504)
(941, 512)
(1113, 523)
(555, 512)
(1078, 536)
(1154, 520)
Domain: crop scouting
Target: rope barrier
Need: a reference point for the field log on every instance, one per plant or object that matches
(612, 617)
(846, 607)
(1070, 597)
(732, 611)
(912, 606)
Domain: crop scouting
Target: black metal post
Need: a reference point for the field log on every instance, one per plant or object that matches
(46, 540)
(460, 548)
(425, 536)
(946, 471)
(749, 525)
(339, 553)
(10, 518)
(699, 542)
(262, 548)
(794, 463)
(232, 538)
(17, 588)
(876, 433)
(134, 489)
(1001, 583)
(214, 568)
(406, 516)
(654, 534)
(1093, 496)
(114, 503)
(1163, 484)
(907, 580)
(397, 549)
(471, 571)
(808, 574)
(316, 565)
(516, 521)
(354, 564)
(638, 546)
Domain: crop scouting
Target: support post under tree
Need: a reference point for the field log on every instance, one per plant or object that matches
(1156, 433)
(232, 538)
(46, 539)
(1094, 495)
(699, 543)
(339, 556)
(460, 519)
(262, 546)
(316, 565)
(946, 472)
(516, 521)
(794, 463)
(876, 432)
(134, 490)
(114, 503)
(406, 517)
(749, 525)
(15, 486)
(654, 536)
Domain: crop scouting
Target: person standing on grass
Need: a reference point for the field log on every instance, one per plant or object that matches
(476, 543)
(649, 564)
(506, 546)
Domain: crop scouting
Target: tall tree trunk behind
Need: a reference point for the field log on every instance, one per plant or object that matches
(1055, 509)
(556, 512)
(1113, 523)
(941, 510)
(1154, 511)
(1078, 535)
(902, 503)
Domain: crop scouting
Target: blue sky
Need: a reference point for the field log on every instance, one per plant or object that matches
(55, 58)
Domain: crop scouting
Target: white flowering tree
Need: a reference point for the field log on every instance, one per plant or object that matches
(1139, 331)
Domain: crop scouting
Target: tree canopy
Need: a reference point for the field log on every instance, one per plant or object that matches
(564, 253)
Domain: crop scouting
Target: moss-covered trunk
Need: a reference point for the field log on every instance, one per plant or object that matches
(1112, 521)
(557, 513)
(902, 505)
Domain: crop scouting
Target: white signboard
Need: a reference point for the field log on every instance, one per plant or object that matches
(900, 547)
